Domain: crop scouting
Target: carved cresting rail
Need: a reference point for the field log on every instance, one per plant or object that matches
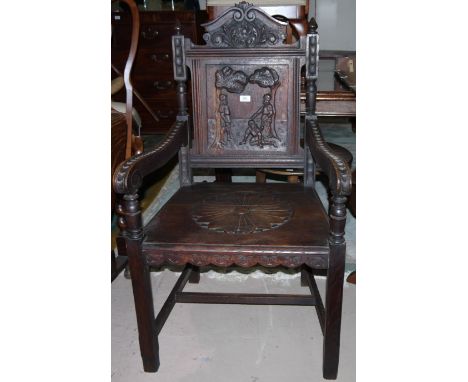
(243, 27)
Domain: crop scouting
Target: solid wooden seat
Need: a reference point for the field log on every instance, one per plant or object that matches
(247, 224)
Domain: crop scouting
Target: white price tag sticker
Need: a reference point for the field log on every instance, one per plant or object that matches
(245, 98)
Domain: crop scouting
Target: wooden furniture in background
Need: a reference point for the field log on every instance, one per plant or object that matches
(341, 101)
(124, 142)
(246, 95)
(294, 175)
(345, 72)
(152, 73)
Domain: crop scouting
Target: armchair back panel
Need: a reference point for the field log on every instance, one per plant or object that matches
(245, 92)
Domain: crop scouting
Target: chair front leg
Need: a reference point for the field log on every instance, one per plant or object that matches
(141, 283)
(334, 288)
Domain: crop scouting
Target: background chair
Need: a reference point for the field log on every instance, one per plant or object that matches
(246, 102)
(117, 85)
(124, 142)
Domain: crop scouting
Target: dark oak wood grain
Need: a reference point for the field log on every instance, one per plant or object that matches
(246, 84)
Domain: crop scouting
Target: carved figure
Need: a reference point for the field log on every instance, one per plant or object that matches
(225, 118)
(268, 78)
(268, 114)
(255, 132)
(226, 79)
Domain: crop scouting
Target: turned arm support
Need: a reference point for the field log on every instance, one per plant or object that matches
(129, 174)
(337, 170)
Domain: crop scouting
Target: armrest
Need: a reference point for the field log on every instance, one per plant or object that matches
(337, 170)
(129, 174)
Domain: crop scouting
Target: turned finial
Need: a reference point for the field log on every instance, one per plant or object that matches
(313, 25)
(178, 27)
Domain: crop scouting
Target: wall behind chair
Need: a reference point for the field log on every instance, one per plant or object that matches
(336, 21)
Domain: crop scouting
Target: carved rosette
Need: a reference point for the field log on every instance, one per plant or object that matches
(242, 212)
(244, 26)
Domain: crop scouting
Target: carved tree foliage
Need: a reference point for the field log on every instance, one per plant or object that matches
(230, 80)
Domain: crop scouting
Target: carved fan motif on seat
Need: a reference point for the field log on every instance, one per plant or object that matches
(242, 212)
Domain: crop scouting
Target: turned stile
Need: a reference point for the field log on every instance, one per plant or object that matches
(311, 94)
(180, 75)
(311, 69)
(180, 72)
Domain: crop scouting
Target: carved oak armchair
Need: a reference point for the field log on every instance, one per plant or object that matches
(246, 103)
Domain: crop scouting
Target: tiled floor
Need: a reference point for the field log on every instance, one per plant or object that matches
(211, 343)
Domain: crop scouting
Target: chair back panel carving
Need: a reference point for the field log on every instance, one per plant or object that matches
(245, 92)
